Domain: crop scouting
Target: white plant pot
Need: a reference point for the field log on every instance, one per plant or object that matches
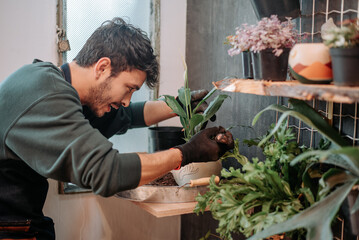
(195, 171)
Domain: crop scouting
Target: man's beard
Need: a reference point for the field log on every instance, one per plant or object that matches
(97, 99)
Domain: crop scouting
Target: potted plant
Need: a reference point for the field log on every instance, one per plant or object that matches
(240, 45)
(344, 49)
(192, 123)
(269, 42)
(309, 185)
(281, 8)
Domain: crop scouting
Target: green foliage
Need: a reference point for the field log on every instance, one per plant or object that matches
(334, 184)
(191, 121)
(346, 36)
(293, 191)
(259, 194)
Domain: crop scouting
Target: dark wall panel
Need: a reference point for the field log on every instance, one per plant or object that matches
(208, 24)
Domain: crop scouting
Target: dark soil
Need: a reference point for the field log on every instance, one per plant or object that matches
(166, 180)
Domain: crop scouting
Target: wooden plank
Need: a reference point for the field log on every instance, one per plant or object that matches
(167, 209)
(291, 88)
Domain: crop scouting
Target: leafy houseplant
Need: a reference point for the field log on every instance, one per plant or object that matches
(269, 36)
(192, 122)
(299, 200)
(259, 194)
(344, 50)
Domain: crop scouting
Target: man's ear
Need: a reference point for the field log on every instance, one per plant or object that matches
(102, 66)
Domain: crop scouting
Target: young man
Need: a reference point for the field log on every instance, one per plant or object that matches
(55, 123)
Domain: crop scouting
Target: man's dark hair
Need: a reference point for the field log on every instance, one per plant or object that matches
(128, 48)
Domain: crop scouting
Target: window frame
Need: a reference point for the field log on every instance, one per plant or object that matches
(61, 22)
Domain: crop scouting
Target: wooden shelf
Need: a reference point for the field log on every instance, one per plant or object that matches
(291, 89)
(167, 209)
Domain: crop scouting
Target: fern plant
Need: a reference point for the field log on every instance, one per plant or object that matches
(261, 193)
(295, 190)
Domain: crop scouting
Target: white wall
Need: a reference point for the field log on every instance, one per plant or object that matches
(173, 46)
(28, 31)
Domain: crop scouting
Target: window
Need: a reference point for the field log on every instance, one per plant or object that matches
(77, 20)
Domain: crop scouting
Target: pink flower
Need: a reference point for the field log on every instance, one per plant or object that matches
(268, 33)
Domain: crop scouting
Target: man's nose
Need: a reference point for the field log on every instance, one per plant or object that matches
(126, 101)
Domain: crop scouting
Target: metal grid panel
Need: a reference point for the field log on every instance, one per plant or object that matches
(344, 117)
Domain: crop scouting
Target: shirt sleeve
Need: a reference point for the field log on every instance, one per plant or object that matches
(55, 139)
(118, 121)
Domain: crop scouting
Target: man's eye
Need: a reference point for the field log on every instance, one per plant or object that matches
(130, 89)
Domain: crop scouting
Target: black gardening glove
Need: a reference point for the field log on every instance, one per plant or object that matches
(196, 97)
(207, 145)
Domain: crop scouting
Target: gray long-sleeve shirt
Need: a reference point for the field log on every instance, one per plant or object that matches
(42, 124)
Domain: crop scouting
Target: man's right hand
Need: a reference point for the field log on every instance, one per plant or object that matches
(207, 145)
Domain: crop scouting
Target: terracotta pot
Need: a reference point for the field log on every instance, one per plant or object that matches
(267, 66)
(345, 62)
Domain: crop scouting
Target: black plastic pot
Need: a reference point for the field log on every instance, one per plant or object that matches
(247, 67)
(345, 65)
(281, 8)
(162, 138)
(267, 66)
(354, 218)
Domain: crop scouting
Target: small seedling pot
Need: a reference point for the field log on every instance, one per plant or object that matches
(345, 63)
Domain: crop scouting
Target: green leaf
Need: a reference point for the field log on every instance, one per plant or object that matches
(174, 105)
(345, 157)
(316, 219)
(333, 177)
(204, 99)
(302, 111)
(195, 120)
(214, 106)
(184, 95)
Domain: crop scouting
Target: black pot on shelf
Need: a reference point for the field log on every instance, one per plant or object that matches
(247, 65)
(354, 218)
(345, 65)
(267, 66)
(281, 8)
(162, 138)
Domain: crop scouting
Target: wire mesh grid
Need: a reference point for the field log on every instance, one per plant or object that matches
(344, 117)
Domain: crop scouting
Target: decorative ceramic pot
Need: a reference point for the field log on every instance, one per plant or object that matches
(195, 171)
(267, 66)
(310, 63)
(345, 66)
(281, 8)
